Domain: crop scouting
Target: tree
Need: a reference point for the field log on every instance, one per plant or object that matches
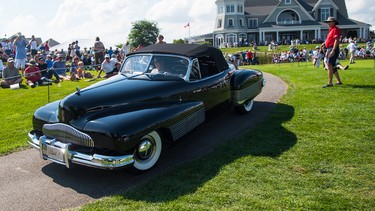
(143, 33)
(179, 41)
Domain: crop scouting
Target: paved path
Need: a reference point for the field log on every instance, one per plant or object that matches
(30, 183)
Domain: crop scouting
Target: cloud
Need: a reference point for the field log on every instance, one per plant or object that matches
(22, 23)
(113, 19)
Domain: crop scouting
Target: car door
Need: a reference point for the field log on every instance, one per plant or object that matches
(207, 84)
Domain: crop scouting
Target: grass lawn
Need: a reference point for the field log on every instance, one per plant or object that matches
(18, 106)
(314, 151)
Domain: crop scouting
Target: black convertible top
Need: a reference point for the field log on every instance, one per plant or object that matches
(189, 50)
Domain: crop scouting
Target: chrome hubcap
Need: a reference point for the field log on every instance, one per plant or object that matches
(145, 149)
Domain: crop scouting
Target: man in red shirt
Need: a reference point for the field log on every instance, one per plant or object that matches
(332, 46)
(32, 74)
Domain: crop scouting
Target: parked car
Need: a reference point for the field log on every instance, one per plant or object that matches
(161, 93)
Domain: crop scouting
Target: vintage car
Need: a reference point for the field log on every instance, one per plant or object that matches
(161, 93)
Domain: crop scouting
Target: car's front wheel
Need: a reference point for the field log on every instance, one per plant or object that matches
(148, 151)
(245, 107)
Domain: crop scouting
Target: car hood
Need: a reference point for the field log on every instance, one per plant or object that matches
(117, 91)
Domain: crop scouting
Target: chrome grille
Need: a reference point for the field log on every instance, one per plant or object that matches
(67, 134)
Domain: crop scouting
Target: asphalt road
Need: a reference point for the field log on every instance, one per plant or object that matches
(30, 183)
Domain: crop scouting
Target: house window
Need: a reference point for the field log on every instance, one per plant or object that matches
(240, 8)
(288, 17)
(219, 23)
(324, 13)
(230, 8)
(231, 39)
(220, 9)
(230, 22)
(240, 22)
(242, 38)
(253, 23)
(288, 1)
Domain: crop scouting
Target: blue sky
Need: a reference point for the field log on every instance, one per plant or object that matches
(111, 20)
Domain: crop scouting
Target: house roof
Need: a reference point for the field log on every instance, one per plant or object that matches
(264, 7)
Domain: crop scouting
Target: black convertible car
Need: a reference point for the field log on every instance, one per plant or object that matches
(161, 93)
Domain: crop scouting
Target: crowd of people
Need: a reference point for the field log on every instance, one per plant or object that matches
(37, 65)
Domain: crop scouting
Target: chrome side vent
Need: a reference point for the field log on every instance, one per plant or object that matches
(184, 126)
(67, 134)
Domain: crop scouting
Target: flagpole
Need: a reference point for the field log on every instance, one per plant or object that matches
(189, 32)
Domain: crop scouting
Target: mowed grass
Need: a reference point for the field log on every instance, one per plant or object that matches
(315, 151)
(17, 108)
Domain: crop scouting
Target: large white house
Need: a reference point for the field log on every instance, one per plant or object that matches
(260, 21)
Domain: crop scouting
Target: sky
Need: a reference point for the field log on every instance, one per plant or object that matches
(111, 20)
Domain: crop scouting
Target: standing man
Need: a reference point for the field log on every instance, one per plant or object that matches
(352, 47)
(332, 45)
(33, 46)
(20, 43)
(99, 50)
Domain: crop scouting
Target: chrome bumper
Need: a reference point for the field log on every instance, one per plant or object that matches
(58, 152)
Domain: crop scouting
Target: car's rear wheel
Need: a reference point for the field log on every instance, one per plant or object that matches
(245, 107)
(148, 151)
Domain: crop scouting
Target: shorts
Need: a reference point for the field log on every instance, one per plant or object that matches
(20, 63)
(332, 60)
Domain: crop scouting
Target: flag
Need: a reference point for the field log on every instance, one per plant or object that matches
(187, 25)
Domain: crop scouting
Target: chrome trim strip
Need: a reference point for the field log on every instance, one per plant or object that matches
(95, 160)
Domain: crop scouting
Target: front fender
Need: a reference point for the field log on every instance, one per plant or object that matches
(126, 128)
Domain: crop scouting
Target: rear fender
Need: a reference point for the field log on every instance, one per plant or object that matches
(245, 85)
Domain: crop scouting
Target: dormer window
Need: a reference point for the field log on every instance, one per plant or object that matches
(325, 13)
(288, 1)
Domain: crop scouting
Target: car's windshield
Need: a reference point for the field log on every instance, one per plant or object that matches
(156, 65)
(136, 64)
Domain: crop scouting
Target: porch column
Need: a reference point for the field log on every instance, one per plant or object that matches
(301, 35)
(277, 36)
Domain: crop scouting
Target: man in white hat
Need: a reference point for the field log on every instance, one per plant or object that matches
(11, 75)
(332, 45)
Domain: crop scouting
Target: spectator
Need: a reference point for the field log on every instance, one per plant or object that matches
(352, 47)
(77, 49)
(339, 66)
(110, 51)
(125, 49)
(1, 68)
(316, 56)
(73, 69)
(99, 50)
(160, 40)
(20, 43)
(249, 57)
(107, 66)
(33, 46)
(86, 59)
(332, 44)
(11, 75)
(46, 71)
(49, 61)
(60, 67)
(46, 48)
(33, 76)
